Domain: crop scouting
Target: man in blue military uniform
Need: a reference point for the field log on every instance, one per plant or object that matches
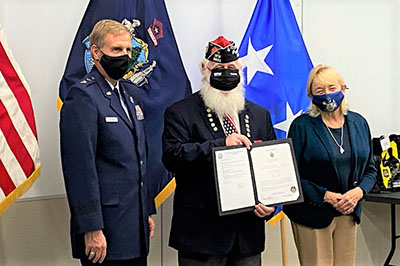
(103, 151)
(217, 115)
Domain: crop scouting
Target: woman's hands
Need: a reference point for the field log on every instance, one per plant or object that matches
(344, 203)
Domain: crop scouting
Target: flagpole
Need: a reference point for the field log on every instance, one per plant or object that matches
(284, 242)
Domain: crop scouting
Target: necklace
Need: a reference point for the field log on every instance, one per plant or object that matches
(341, 139)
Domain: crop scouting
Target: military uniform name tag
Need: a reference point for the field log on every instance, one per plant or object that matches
(111, 119)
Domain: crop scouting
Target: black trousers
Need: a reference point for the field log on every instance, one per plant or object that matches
(188, 259)
(131, 262)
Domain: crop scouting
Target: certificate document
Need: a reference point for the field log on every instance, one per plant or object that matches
(266, 174)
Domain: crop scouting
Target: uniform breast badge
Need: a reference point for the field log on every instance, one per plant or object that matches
(139, 112)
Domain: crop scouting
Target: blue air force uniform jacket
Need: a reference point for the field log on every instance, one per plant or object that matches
(190, 132)
(318, 174)
(104, 164)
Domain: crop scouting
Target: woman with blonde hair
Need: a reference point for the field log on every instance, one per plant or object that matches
(334, 156)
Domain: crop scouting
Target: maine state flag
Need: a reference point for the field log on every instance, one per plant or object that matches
(276, 63)
(158, 70)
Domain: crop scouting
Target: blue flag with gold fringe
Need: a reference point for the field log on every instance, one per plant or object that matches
(276, 66)
(158, 70)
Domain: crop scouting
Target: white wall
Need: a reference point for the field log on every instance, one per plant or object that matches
(40, 34)
(359, 37)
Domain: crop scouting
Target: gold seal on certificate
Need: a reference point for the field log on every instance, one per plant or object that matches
(265, 174)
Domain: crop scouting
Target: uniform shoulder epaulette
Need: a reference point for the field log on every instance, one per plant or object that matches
(87, 80)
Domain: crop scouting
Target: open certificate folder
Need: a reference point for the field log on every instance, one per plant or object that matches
(266, 174)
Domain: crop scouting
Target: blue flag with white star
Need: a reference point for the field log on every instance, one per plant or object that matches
(276, 63)
(158, 70)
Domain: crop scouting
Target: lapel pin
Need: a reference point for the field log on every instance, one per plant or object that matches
(108, 93)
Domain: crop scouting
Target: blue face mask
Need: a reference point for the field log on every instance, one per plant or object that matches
(328, 102)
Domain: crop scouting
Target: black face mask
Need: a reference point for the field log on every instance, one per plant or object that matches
(116, 66)
(224, 79)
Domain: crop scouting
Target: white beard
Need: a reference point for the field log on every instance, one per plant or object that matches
(221, 102)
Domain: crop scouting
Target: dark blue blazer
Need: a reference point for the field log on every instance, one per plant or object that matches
(104, 164)
(318, 174)
(190, 132)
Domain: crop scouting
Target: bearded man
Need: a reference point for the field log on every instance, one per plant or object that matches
(218, 115)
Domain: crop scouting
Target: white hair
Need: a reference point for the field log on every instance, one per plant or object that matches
(221, 102)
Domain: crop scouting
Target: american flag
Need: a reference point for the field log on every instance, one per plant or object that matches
(19, 150)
